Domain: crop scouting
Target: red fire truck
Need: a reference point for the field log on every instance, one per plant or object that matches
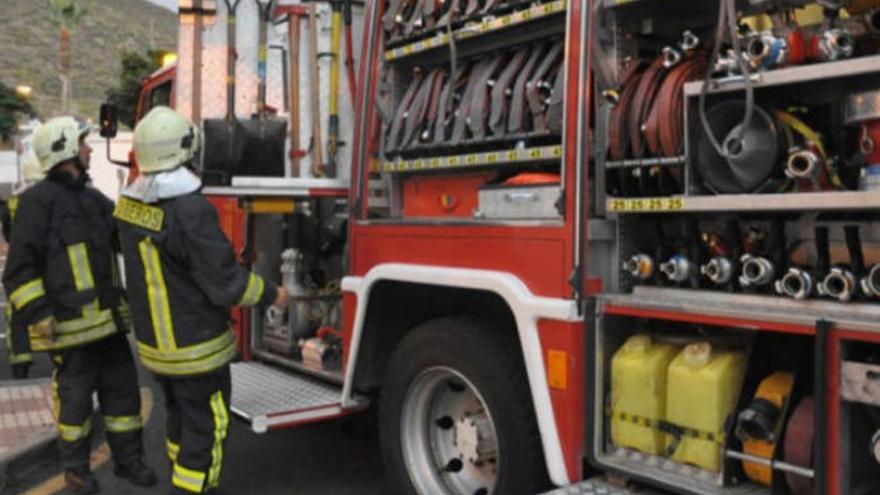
(626, 246)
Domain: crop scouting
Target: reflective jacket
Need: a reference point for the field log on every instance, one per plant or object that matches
(182, 278)
(62, 263)
(16, 332)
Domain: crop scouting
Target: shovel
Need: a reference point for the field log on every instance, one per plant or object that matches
(263, 150)
(224, 138)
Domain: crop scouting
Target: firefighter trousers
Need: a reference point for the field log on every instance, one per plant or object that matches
(197, 411)
(17, 341)
(105, 367)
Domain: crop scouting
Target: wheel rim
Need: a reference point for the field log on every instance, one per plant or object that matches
(448, 436)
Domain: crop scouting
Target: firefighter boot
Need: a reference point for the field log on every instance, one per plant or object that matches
(81, 481)
(136, 472)
(20, 371)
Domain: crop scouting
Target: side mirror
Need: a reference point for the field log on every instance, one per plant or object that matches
(109, 120)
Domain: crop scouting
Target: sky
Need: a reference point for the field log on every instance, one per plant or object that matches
(169, 4)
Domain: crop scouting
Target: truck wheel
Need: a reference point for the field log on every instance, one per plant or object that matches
(456, 415)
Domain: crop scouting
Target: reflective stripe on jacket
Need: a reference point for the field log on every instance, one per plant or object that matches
(62, 263)
(182, 278)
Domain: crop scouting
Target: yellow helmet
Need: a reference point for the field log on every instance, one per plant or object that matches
(31, 171)
(164, 140)
(57, 141)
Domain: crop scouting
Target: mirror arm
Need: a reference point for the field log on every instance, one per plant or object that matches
(121, 163)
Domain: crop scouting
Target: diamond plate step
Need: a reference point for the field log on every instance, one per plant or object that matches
(596, 487)
(269, 398)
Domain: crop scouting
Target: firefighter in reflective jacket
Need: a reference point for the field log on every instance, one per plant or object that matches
(182, 278)
(63, 280)
(20, 357)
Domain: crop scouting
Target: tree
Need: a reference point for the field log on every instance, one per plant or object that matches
(10, 104)
(135, 67)
(66, 14)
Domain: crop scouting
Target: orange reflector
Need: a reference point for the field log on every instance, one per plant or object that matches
(557, 369)
(270, 205)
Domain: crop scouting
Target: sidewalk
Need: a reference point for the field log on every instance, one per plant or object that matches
(27, 426)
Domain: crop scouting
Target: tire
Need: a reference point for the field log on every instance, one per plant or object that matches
(451, 381)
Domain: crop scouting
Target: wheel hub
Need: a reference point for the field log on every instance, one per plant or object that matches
(449, 438)
(474, 440)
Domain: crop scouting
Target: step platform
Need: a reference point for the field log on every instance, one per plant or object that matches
(269, 398)
(597, 486)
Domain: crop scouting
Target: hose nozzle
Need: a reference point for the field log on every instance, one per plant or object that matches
(839, 284)
(640, 266)
(796, 284)
(871, 282)
(677, 269)
(719, 270)
(756, 271)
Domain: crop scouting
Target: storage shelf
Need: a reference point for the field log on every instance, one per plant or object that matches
(472, 30)
(790, 75)
(861, 316)
(515, 156)
(782, 202)
(280, 187)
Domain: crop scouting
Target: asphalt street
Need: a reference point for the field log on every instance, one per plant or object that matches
(327, 459)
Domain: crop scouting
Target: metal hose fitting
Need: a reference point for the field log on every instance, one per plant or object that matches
(719, 270)
(766, 51)
(871, 282)
(756, 271)
(689, 41)
(677, 269)
(796, 283)
(803, 164)
(640, 266)
(836, 44)
(671, 57)
(839, 284)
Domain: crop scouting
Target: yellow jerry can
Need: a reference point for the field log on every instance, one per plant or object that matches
(703, 385)
(638, 393)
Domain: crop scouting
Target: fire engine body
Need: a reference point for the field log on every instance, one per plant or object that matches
(432, 271)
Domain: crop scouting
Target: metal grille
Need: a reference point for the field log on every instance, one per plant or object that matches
(259, 390)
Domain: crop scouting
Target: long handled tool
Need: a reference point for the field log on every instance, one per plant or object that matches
(317, 142)
(224, 138)
(263, 151)
(333, 122)
(349, 52)
(295, 15)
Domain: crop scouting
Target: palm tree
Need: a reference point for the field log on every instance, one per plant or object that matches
(65, 13)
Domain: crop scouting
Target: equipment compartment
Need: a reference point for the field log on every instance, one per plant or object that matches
(860, 417)
(721, 389)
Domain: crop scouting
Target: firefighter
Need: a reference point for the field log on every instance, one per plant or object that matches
(63, 280)
(20, 357)
(182, 279)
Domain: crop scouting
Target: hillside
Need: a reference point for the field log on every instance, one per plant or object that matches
(29, 53)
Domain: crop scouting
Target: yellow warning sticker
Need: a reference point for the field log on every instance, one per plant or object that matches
(645, 205)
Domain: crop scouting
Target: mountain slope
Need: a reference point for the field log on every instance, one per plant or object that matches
(29, 53)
